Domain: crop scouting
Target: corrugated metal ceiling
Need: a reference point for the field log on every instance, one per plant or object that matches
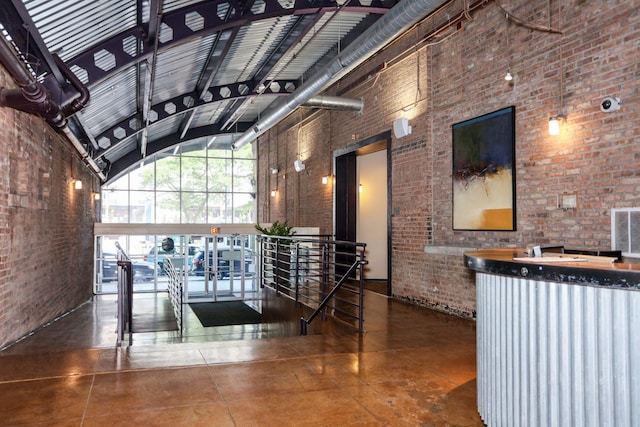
(144, 72)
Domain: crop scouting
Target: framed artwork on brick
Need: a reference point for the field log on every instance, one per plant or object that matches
(484, 180)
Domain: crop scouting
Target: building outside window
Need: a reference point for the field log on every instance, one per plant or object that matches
(180, 186)
(186, 185)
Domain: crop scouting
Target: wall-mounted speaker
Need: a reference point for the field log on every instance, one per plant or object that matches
(401, 127)
(298, 165)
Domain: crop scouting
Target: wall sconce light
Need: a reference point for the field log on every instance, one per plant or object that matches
(273, 193)
(554, 124)
(77, 184)
(274, 171)
(325, 180)
(96, 196)
(508, 77)
(360, 188)
(401, 127)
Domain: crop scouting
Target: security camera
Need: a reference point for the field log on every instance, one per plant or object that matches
(610, 104)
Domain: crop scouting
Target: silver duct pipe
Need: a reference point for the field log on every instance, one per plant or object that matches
(399, 19)
(335, 103)
(83, 152)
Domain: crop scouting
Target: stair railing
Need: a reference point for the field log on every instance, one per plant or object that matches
(324, 275)
(125, 296)
(176, 291)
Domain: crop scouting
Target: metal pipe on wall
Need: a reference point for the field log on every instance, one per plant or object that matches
(32, 97)
(335, 103)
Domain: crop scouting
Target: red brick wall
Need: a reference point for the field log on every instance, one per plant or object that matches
(46, 226)
(596, 156)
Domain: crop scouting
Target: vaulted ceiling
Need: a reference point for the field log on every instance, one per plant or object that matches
(167, 72)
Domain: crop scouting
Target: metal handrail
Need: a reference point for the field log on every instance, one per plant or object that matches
(317, 273)
(176, 291)
(125, 296)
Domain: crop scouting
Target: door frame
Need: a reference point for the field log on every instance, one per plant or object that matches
(346, 190)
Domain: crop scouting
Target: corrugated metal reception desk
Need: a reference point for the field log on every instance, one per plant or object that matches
(558, 343)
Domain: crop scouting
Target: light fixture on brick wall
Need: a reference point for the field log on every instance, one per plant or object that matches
(554, 124)
(325, 180)
(77, 184)
(273, 193)
(508, 77)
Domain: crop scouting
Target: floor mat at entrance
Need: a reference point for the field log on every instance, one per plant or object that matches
(225, 313)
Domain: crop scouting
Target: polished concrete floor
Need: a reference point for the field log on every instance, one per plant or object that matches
(411, 367)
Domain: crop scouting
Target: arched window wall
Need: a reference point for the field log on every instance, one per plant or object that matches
(185, 185)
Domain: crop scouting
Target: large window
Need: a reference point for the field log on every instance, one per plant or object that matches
(185, 186)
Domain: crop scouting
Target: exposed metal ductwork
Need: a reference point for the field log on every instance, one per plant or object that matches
(335, 103)
(78, 103)
(32, 97)
(399, 19)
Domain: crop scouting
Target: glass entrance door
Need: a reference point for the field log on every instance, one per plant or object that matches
(222, 269)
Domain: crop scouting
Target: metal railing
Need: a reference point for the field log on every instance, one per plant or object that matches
(176, 292)
(125, 296)
(324, 275)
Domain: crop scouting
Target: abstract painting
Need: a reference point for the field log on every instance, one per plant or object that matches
(484, 172)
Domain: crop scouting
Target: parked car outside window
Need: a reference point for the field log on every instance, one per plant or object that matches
(176, 251)
(108, 264)
(221, 268)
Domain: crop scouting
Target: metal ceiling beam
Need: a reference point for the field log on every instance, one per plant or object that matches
(212, 65)
(19, 24)
(34, 36)
(292, 40)
(178, 105)
(178, 30)
(122, 164)
(298, 30)
(153, 24)
(400, 19)
(153, 35)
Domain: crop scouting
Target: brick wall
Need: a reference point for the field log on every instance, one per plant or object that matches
(459, 76)
(46, 225)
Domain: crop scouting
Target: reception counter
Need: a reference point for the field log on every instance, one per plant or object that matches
(558, 340)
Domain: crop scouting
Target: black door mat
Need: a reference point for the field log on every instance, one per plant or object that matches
(223, 313)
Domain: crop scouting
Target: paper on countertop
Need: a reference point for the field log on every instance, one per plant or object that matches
(550, 259)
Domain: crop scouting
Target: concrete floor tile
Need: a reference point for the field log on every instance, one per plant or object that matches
(199, 415)
(48, 364)
(411, 367)
(130, 358)
(122, 392)
(50, 400)
(313, 408)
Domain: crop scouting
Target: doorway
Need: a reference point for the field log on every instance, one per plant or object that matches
(362, 204)
(223, 269)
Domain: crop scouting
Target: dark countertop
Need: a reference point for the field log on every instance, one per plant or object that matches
(590, 273)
